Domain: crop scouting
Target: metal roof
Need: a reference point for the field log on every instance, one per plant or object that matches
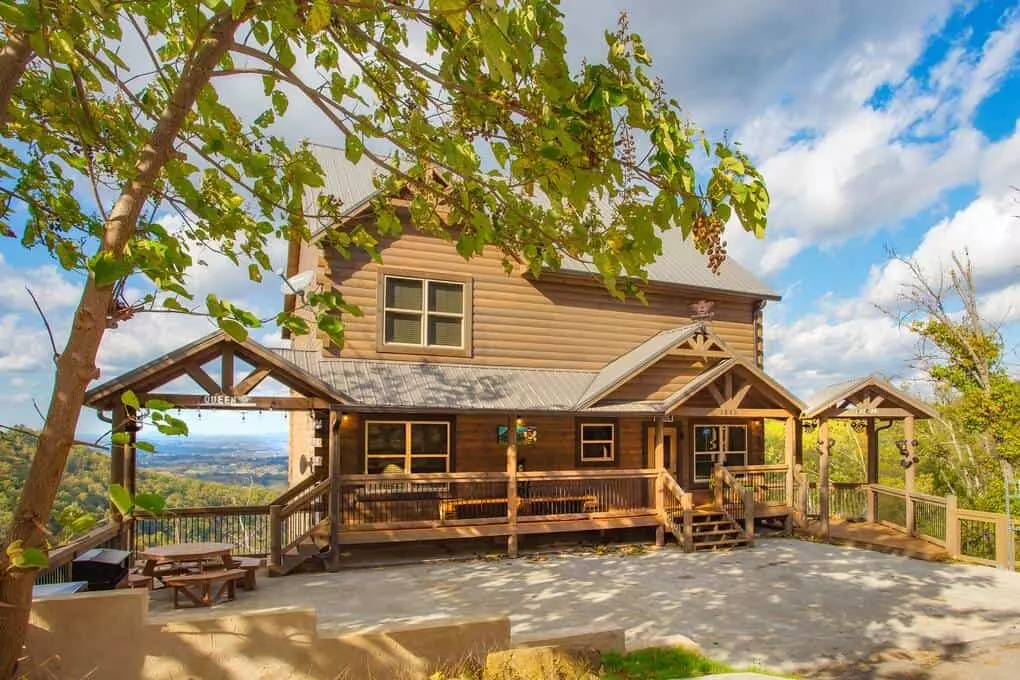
(841, 391)
(427, 385)
(679, 263)
(629, 364)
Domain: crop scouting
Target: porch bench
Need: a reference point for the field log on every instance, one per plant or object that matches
(249, 564)
(457, 508)
(472, 508)
(198, 588)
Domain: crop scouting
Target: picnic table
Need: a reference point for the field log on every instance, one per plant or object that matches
(185, 553)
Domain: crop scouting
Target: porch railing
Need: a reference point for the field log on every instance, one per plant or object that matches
(244, 526)
(292, 523)
(678, 512)
(104, 535)
(734, 499)
(767, 482)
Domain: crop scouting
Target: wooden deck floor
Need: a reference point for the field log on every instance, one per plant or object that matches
(878, 537)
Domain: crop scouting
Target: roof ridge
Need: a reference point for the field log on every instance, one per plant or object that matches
(534, 369)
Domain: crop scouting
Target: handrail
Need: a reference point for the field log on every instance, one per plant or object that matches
(294, 491)
(426, 477)
(672, 491)
(746, 496)
(757, 468)
(206, 510)
(63, 554)
(304, 499)
(587, 474)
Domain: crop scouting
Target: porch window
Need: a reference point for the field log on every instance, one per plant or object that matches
(423, 313)
(726, 443)
(405, 447)
(598, 442)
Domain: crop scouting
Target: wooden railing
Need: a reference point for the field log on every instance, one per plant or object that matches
(767, 482)
(678, 512)
(105, 535)
(290, 524)
(735, 500)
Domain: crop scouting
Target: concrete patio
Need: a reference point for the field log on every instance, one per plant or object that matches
(784, 604)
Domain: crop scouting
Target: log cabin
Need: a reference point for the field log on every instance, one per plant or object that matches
(471, 402)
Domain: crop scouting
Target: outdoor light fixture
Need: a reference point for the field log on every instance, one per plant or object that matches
(809, 425)
(859, 424)
(907, 460)
(832, 445)
(520, 421)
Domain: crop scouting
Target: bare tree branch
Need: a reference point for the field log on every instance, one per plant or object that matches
(49, 330)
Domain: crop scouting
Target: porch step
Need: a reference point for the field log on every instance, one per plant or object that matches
(712, 530)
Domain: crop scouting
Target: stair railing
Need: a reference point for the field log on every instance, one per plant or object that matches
(677, 503)
(735, 500)
(292, 523)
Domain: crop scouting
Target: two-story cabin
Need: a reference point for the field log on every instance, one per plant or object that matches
(469, 402)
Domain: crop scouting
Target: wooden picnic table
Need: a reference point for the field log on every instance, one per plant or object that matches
(176, 553)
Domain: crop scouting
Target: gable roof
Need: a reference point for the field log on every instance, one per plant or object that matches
(679, 263)
(837, 393)
(173, 365)
(711, 375)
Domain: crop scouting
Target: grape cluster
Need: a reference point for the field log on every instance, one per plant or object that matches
(707, 230)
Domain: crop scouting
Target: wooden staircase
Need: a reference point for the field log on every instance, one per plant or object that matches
(712, 529)
(308, 556)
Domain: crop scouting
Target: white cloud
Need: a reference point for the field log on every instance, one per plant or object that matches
(23, 350)
(49, 286)
(1003, 306)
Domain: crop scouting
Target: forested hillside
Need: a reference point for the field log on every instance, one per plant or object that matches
(86, 479)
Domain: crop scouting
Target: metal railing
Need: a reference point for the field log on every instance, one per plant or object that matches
(581, 492)
(290, 524)
(847, 500)
(246, 527)
(677, 507)
(392, 501)
(768, 482)
(930, 518)
(736, 501)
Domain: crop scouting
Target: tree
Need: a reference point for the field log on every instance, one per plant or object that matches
(979, 402)
(467, 135)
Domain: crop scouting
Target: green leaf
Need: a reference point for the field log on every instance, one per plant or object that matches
(82, 524)
(318, 16)
(354, 148)
(11, 14)
(120, 438)
(254, 273)
(144, 446)
(30, 558)
(151, 503)
(121, 498)
(233, 329)
(107, 270)
(129, 398)
(158, 405)
(454, 11)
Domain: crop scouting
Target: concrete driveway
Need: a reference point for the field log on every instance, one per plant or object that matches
(784, 604)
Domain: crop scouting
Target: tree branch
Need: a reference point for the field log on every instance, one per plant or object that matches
(49, 330)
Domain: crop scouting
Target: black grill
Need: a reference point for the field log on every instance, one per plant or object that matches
(103, 568)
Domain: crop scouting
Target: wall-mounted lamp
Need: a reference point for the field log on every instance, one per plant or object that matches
(809, 425)
(858, 425)
(519, 422)
(818, 448)
(907, 459)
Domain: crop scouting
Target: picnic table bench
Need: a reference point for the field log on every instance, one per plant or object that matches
(198, 588)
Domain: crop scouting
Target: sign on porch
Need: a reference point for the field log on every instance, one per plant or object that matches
(527, 435)
(228, 400)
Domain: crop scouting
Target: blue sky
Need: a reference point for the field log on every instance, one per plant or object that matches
(877, 125)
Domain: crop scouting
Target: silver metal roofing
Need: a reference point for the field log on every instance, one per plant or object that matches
(629, 364)
(841, 391)
(680, 263)
(427, 385)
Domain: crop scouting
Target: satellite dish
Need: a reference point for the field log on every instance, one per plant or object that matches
(298, 284)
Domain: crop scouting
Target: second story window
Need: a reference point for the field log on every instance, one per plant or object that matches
(423, 313)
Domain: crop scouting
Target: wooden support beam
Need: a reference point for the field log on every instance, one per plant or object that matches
(227, 369)
(117, 456)
(738, 396)
(716, 394)
(790, 459)
(872, 463)
(696, 354)
(334, 434)
(731, 412)
(264, 403)
(511, 485)
(910, 474)
(660, 486)
(952, 527)
(823, 476)
(252, 380)
(198, 374)
(728, 385)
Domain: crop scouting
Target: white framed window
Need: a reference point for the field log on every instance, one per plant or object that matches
(598, 442)
(420, 312)
(405, 447)
(718, 443)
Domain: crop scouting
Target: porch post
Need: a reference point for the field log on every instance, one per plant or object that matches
(872, 471)
(334, 490)
(789, 444)
(117, 466)
(823, 476)
(511, 485)
(660, 465)
(908, 482)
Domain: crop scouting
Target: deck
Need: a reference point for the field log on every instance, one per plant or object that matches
(874, 536)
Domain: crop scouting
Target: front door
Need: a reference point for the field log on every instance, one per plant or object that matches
(669, 441)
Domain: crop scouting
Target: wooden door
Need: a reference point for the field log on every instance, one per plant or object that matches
(670, 437)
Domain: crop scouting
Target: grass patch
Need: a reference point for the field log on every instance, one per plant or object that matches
(663, 664)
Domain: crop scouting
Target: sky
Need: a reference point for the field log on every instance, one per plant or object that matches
(879, 127)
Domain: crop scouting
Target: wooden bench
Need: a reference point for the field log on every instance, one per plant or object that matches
(454, 508)
(198, 588)
(250, 565)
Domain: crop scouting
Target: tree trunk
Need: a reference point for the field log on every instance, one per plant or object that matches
(14, 58)
(76, 366)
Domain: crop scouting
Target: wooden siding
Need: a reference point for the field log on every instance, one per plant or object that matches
(659, 381)
(557, 321)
